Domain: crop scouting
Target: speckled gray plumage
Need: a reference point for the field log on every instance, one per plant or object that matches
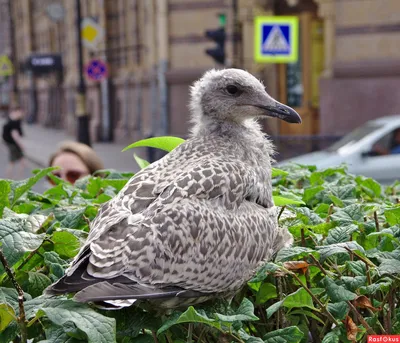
(196, 223)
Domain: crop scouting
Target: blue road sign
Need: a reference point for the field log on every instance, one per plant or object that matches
(276, 39)
(97, 70)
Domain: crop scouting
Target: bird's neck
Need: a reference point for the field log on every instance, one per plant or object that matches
(206, 125)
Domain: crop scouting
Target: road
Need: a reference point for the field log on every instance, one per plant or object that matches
(40, 187)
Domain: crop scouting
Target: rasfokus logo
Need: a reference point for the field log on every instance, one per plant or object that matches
(384, 339)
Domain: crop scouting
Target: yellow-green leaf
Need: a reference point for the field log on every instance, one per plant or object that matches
(166, 143)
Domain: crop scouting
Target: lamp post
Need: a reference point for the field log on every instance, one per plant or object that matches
(83, 134)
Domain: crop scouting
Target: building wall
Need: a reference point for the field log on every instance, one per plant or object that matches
(366, 71)
(155, 49)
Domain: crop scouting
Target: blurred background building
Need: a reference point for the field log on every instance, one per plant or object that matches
(348, 70)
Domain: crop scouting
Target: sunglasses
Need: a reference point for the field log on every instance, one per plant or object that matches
(71, 175)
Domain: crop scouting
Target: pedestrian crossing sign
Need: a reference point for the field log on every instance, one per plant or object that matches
(6, 67)
(276, 39)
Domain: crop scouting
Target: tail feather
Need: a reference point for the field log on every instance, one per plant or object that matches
(78, 280)
(105, 291)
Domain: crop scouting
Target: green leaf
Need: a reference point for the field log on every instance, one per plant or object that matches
(349, 215)
(308, 314)
(337, 293)
(189, 316)
(311, 192)
(291, 334)
(389, 266)
(266, 291)
(264, 271)
(245, 312)
(65, 244)
(55, 263)
(7, 315)
(5, 189)
(341, 234)
(244, 336)
(339, 310)
(372, 187)
(327, 175)
(353, 283)
(287, 254)
(10, 296)
(37, 283)
(10, 333)
(98, 328)
(166, 143)
(308, 217)
(343, 193)
(273, 308)
(15, 241)
(393, 216)
(332, 249)
(357, 267)
(21, 187)
(383, 285)
(282, 201)
(336, 201)
(278, 172)
(70, 217)
(141, 162)
(300, 298)
(56, 334)
(331, 337)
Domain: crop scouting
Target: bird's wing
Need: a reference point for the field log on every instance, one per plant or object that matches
(193, 244)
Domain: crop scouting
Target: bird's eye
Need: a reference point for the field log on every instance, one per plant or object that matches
(233, 90)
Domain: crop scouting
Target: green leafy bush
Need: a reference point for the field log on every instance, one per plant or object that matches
(338, 283)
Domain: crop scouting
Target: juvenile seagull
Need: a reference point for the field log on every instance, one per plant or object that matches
(197, 223)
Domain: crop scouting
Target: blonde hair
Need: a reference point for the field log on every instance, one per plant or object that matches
(85, 153)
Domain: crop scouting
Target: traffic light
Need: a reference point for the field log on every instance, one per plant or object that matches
(219, 37)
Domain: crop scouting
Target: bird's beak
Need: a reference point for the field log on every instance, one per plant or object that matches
(281, 111)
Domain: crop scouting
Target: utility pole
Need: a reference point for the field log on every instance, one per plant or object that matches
(13, 55)
(83, 134)
(235, 34)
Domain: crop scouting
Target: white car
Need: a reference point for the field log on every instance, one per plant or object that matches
(359, 150)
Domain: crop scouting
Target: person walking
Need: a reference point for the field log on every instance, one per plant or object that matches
(12, 137)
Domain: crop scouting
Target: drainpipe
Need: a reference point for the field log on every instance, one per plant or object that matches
(150, 8)
(162, 65)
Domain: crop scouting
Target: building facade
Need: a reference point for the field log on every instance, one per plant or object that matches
(346, 72)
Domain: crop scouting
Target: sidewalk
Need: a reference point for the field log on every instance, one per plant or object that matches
(41, 142)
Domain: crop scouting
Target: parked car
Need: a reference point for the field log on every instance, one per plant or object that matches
(368, 150)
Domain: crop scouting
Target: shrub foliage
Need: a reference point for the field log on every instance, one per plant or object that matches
(338, 283)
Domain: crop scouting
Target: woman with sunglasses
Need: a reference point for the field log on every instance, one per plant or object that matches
(75, 160)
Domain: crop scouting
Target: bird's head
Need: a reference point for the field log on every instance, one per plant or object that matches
(235, 95)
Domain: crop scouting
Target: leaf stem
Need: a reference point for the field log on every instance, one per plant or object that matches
(190, 333)
(366, 261)
(324, 309)
(281, 211)
(22, 317)
(154, 336)
(330, 210)
(319, 265)
(31, 254)
(370, 331)
(376, 221)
